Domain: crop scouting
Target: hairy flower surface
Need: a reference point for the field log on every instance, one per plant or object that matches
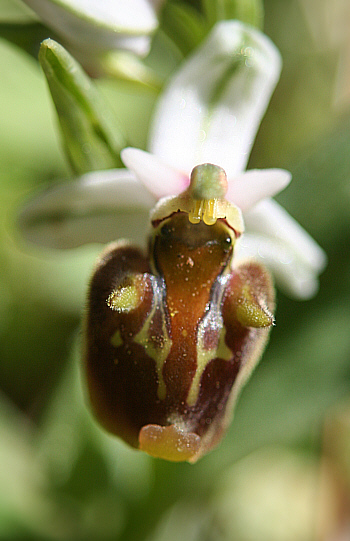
(170, 337)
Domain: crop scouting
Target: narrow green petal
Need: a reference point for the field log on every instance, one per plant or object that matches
(91, 138)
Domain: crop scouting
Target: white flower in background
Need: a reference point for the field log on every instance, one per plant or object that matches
(90, 27)
(209, 113)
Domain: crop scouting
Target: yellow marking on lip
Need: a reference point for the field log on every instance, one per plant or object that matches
(127, 296)
(156, 347)
(116, 339)
(204, 356)
(169, 442)
(250, 313)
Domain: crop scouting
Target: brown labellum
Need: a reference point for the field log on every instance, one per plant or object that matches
(170, 337)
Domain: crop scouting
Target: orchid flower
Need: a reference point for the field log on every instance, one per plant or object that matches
(170, 337)
(209, 112)
(91, 29)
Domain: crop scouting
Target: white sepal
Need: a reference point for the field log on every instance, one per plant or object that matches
(277, 240)
(98, 207)
(211, 110)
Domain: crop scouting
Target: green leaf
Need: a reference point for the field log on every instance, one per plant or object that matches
(91, 138)
(246, 11)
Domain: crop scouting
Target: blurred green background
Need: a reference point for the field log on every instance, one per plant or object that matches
(61, 477)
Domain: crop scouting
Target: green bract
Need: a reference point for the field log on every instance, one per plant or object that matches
(91, 137)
